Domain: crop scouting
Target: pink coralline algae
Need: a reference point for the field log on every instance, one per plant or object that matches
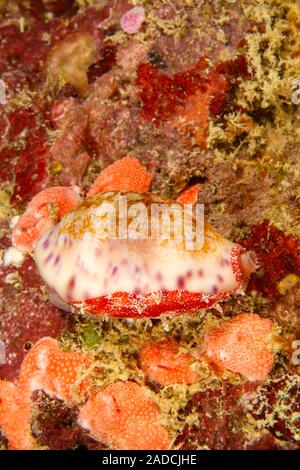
(132, 20)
